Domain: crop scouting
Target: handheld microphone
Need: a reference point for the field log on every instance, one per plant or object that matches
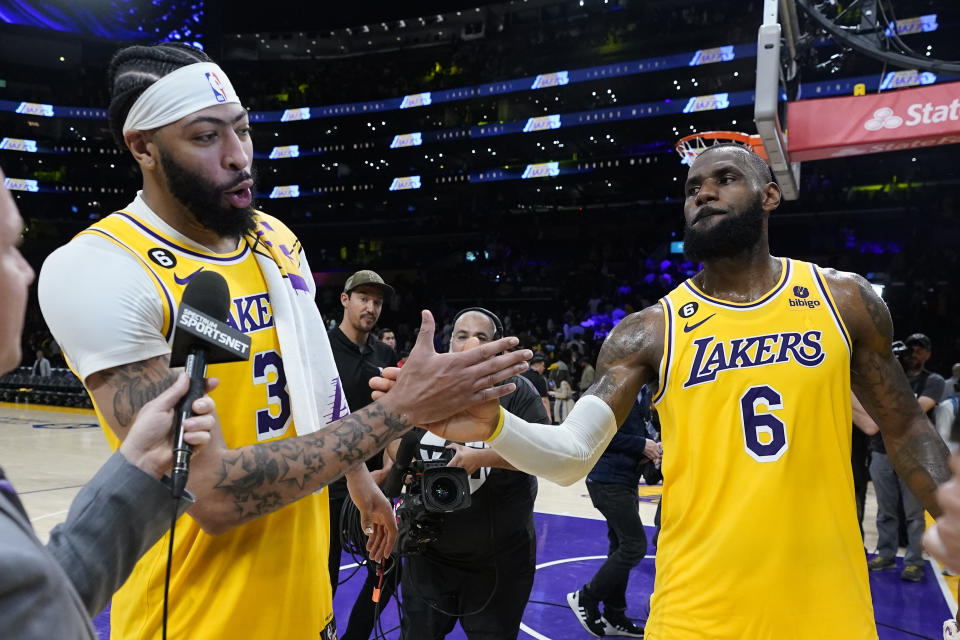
(202, 337)
(394, 480)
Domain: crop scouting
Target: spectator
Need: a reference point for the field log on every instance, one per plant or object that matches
(389, 338)
(41, 366)
(587, 375)
(535, 375)
(562, 396)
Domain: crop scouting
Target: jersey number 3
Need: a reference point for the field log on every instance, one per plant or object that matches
(268, 370)
(764, 434)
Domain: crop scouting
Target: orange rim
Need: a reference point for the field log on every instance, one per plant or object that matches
(689, 147)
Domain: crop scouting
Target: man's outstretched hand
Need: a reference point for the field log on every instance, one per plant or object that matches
(463, 401)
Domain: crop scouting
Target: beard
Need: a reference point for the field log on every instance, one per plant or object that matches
(733, 235)
(204, 199)
(360, 323)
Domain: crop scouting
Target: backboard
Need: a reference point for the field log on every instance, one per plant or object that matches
(779, 29)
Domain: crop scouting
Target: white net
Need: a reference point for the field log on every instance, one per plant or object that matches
(689, 147)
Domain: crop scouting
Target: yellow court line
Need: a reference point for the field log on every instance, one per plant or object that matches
(44, 407)
(650, 493)
(951, 581)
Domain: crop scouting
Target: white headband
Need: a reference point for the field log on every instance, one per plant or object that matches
(178, 94)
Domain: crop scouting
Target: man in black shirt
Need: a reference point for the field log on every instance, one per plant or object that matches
(480, 569)
(359, 356)
(535, 375)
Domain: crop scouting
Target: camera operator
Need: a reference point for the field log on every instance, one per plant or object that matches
(479, 568)
(928, 387)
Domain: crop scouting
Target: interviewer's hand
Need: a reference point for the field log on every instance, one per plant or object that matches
(149, 443)
(433, 386)
(942, 539)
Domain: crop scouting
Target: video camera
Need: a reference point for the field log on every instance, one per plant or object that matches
(900, 349)
(432, 489)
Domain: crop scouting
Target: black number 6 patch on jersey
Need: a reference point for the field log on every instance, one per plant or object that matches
(162, 257)
(687, 310)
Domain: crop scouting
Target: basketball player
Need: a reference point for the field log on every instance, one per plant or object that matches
(52, 590)
(753, 360)
(250, 562)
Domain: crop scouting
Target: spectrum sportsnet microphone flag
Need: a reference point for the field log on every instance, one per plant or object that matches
(222, 342)
(908, 119)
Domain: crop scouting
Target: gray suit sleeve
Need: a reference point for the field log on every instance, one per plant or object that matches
(113, 521)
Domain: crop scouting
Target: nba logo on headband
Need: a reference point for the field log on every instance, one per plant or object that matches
(178, 94)
(218, 91)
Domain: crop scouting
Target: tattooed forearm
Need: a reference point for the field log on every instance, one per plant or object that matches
(921, 461)
(135, 385)
(259, 479)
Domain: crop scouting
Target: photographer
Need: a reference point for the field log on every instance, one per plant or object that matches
(928, 387)
(479, 567)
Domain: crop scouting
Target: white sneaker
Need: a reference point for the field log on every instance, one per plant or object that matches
(950, 630)
(588, 613)
(622, 626)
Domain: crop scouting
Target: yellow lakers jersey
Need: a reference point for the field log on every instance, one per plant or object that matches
(759, 535)
(264, 579)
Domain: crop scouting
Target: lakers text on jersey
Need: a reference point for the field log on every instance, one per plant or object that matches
(759, 533)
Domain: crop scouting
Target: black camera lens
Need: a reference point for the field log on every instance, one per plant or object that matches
(443, 491)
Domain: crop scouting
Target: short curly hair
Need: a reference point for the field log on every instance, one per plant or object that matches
(760, 167)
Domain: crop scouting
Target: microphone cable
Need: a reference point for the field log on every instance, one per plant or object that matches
(166, 580)
(354, 542)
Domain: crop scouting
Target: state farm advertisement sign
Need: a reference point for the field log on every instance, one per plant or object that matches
(908, 119)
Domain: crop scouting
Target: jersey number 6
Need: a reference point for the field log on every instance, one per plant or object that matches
(764, 434)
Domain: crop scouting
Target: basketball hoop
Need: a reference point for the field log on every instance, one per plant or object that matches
(689, 147)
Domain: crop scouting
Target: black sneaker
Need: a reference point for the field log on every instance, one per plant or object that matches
(618, 624)
(880, 563)
(587, 611)
(912, 573)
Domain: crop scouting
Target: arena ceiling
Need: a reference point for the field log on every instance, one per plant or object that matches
(278, 15)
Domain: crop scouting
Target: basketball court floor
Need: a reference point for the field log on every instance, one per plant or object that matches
(49, 454)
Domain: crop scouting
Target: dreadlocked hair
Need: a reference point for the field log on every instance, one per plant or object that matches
(135, 68)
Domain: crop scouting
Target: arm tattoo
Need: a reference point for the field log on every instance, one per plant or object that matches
(259, 479)
(136, 384)
(626, 360)
(921, 461)
(916, 451)
(877, 311)
(615, 348)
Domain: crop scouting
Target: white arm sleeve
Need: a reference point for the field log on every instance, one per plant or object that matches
(561, 454)
(100, 305)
